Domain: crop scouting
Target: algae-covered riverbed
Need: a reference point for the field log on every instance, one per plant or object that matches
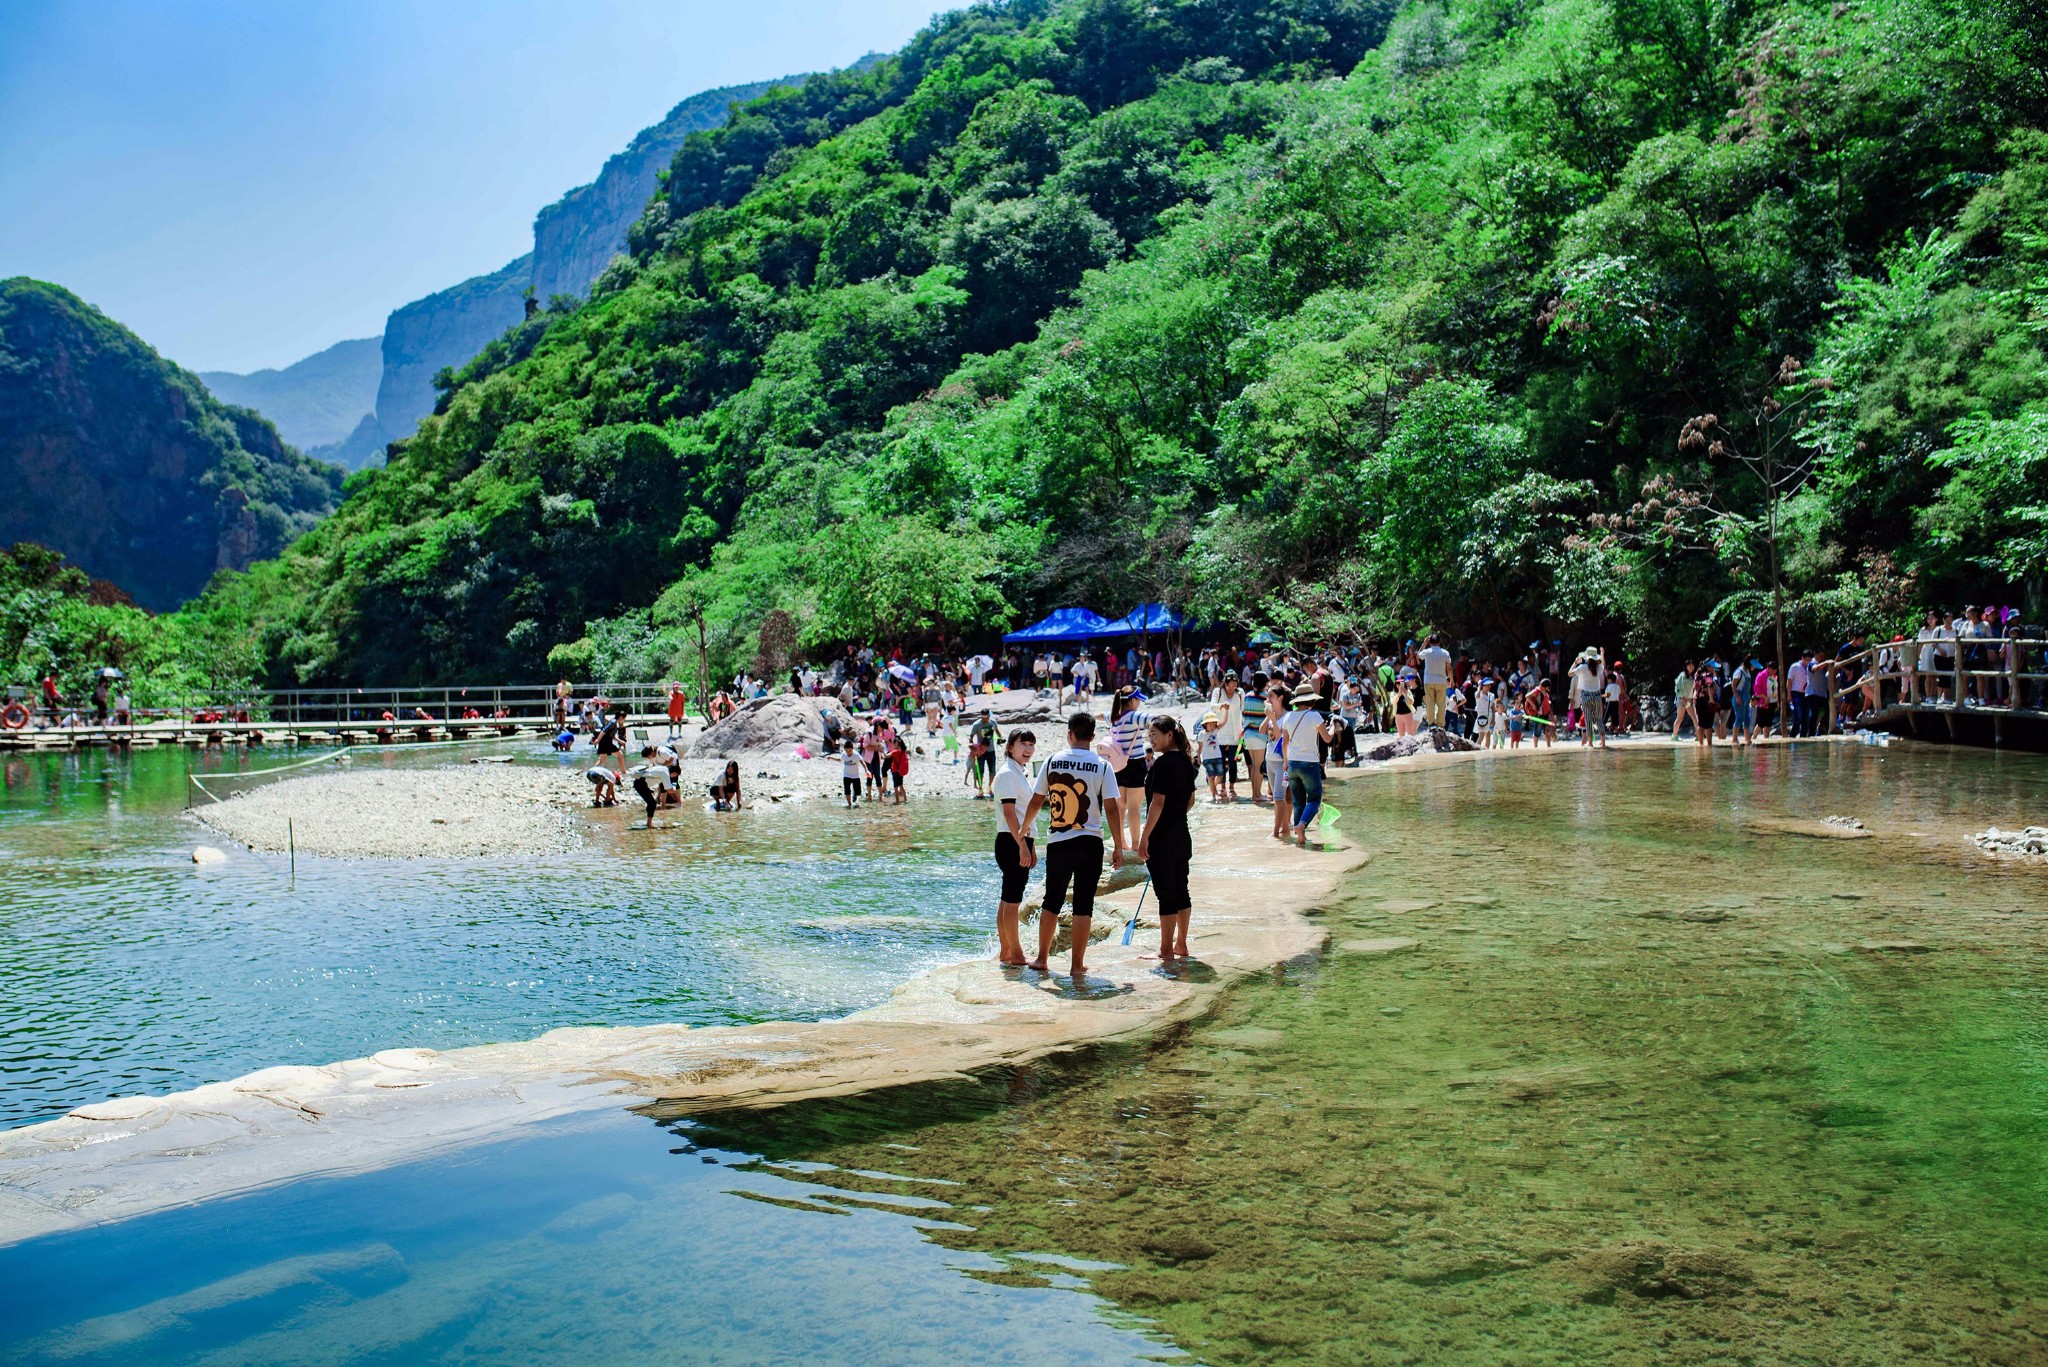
(1645, 1088)
(1657, 1080)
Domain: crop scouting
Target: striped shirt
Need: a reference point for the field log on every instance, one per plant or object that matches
(1254, 718)
(1127, 734)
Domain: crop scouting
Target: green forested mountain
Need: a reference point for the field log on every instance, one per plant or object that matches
(126, 465)
(1334, 314)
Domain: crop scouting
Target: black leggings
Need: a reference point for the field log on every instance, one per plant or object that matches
(1169, 870)
(646, 794)
(1079, 860)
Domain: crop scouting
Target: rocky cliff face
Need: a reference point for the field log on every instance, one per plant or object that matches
(443, 329)
(127, 465)
(350, 420)
(575, 238)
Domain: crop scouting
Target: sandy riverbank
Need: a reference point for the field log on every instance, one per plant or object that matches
(132, 1155)
(452, 811)
(524, 807)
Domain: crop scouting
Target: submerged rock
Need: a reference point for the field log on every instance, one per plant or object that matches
(1389, 945)
(1651, 1269)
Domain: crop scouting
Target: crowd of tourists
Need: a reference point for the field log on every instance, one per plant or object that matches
(1272, 718)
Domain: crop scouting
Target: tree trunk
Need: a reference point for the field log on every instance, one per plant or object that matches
(1777, 588)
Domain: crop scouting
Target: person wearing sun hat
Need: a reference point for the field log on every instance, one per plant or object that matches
(1304, 730)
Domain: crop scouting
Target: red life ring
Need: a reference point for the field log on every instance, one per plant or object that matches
(13, 716)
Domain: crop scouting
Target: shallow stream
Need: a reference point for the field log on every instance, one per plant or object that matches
(1657, 1081)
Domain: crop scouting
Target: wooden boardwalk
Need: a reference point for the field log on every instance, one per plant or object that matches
(2006, 728)
(199, 735)
(335, 716)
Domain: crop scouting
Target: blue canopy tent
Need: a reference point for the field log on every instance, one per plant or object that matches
(1066, 626)
(1148, 619)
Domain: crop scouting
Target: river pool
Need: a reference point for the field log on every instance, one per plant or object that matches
(1657, 1080)
(129, 969)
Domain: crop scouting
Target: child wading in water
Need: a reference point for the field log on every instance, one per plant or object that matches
(899, 766)
(1276, 760)
(849, 774)
(1212, 754)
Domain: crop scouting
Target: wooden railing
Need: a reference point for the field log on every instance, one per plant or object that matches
(1889, 674)
(364, 708)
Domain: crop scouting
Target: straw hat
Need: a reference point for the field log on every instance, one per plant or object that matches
(1308, 697)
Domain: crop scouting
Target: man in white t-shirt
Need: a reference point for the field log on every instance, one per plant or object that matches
(1077, 788)
(1436, 680)
(1795, 697)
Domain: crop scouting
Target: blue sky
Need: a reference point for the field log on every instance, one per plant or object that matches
(244, 182)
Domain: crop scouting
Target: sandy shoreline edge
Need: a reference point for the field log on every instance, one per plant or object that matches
(135, 1155)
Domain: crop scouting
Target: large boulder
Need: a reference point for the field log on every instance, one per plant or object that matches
(1383, 747)
(786, 720)
(781, 722)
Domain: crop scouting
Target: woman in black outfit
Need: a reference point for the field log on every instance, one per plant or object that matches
(1164, 844)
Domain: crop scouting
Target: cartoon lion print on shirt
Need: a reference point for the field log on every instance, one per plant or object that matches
(1066, 798)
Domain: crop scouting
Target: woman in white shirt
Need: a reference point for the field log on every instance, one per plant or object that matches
(1304, 731)
(1937, 656)
(1013, 842)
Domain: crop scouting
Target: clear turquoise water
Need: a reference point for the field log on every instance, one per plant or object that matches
(1655, 1084)
(126, 968)
(606, 1241)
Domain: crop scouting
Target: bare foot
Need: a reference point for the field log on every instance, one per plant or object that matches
(1036, 965)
